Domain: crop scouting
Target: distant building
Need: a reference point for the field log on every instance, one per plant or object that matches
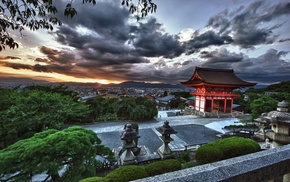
(214, 89)
(163, 103)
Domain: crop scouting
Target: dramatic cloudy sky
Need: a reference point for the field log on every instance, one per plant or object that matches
(104, 43)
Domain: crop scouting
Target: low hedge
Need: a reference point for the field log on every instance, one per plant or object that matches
(95, 179)
(161, 167)
(225, 148)
(127, 173)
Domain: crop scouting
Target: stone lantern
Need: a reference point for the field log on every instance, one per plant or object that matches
(128, 137)
(280, 120)
(165, 130)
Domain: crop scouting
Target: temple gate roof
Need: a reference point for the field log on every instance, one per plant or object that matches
(217, 77)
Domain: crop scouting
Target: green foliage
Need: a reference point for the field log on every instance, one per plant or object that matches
(280, 92)
(7, 98)
(263, 104)
(208, 153)
(279, 87)
(185, 156)
(95, 179)
(127, 173)
(72, 150)
(60, 89)
(127, 108)
(225, 148)
(36, 110)
(161, 167)
(189, 164)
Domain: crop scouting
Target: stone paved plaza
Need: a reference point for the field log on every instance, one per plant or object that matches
(192, 130)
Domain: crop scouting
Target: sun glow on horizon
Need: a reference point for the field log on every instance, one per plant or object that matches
(52, 77)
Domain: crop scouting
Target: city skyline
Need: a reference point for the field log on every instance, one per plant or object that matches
(104, 43)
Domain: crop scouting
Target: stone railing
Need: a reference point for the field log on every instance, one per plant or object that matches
(267, 165)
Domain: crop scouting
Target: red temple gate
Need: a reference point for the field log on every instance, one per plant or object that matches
(214, 89)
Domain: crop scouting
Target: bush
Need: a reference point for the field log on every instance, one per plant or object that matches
(207, 154)
(185, 156)
(127, 173)
(161, 167)
(189, 164)
(225, 148)
(95, 179)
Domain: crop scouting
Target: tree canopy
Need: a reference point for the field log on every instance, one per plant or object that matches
(126, 108)
(25, 112)
(263, 100)
(41, 14)
(67, 155)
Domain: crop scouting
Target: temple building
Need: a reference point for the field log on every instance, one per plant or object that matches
(214, 89)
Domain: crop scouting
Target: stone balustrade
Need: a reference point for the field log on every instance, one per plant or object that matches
(267, 165)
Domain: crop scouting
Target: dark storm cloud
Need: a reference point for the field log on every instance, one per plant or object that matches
(108, 47)
(55, 56)
(111, 33)
(107, 18)
(220, 59)
(103, 40)
(150, 41)
(166, 76)
(248, 26)
(205, 40)
(268, 68)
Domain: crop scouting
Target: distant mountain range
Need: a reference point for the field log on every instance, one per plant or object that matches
(129, 84)
(132, 84)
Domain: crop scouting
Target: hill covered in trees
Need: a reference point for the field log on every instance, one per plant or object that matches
(258, 101)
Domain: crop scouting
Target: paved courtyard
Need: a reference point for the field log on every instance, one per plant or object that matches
(192, 130)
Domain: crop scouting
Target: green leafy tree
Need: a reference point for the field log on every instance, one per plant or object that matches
(61, 89)
(126, 106)
(110, 105)
(141, 108)
(96, 107)
(7, 98)
(41, 14)
(279, 87)
(36, 111)
(72, 151)
(263, 104)
(250, 97)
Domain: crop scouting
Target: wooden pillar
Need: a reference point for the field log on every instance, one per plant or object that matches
(212, 103)
(199, 102)
(225, 105)
(232, 102)
(204, 104)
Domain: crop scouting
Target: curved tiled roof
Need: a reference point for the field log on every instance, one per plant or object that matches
(216, 76)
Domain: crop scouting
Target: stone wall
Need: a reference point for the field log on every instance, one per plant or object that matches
(266, 165)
